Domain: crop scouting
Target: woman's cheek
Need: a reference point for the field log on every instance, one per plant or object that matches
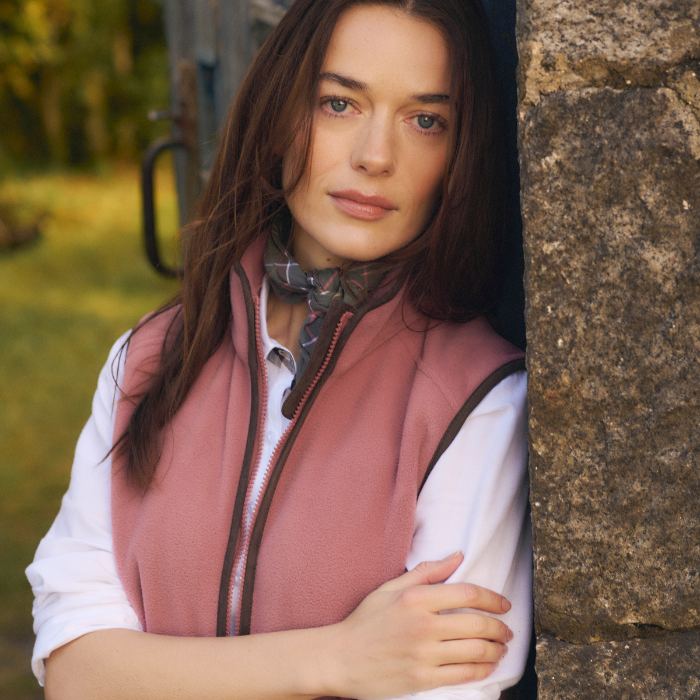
(290, 164)
(428, 171)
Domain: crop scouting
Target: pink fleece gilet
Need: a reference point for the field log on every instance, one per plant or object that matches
(385, 392)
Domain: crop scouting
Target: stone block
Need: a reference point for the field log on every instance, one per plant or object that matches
(611, 211)
(663, 668)
(571, 44)
(649, 32)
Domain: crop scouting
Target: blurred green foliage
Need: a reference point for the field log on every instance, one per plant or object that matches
(63, 301)
(77, 78)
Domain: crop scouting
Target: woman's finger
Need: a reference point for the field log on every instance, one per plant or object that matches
(456, 674)
(471, 626)
(469, 651)
(451, 596)
(427, 572)
(447, 596)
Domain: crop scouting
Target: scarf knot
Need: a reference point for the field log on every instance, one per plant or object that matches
(318, 287)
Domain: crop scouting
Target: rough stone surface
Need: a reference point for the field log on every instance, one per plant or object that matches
(685, 81)
(643, 32)
(611, 210)
(621, 30)
(567, 44)
(663, 668)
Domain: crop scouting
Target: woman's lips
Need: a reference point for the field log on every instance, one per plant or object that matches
(362, 206)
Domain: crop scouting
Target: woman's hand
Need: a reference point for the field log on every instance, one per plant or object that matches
(396, 641)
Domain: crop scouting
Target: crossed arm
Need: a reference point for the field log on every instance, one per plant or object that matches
(395, 642)
(463, 505)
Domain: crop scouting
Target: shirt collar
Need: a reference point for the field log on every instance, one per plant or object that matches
(272, 350)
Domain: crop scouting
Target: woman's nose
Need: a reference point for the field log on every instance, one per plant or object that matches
(374, 151)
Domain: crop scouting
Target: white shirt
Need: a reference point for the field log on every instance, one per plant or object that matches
(475, 499)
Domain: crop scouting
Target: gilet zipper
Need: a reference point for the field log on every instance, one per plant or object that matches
(243, 544)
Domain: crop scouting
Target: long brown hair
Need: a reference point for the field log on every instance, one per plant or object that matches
(453, 266)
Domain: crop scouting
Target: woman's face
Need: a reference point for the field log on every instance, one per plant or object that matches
(379, 141)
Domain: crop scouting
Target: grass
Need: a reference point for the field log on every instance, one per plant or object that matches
(63, 302)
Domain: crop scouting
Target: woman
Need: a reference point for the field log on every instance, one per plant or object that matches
(273, 471)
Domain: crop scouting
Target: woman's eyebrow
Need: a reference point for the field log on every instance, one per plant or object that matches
(429, 98)
(348, 83)
(432, 98)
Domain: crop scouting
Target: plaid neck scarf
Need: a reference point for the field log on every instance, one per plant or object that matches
(319, 287)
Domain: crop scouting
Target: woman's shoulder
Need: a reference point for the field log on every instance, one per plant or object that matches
(156, 325)
(477, 331)
(147, 338)
(139, 348)
(458, 364)
(471, 352)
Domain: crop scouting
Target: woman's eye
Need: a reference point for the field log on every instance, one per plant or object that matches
(425, 121)
(338, 105)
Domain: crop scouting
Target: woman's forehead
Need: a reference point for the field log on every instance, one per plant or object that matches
(384, 48)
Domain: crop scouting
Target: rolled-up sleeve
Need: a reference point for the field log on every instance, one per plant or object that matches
(74, 575)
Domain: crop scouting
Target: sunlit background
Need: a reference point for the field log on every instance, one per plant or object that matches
(77, 80)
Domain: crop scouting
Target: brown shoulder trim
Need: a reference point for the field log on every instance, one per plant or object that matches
(469, 405)
(236, 519)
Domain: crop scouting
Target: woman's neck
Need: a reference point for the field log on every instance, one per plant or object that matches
(285, 321)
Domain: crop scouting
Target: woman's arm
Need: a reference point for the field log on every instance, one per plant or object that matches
(476, 500)
(75, 565)
(74, 575)
(394, 642)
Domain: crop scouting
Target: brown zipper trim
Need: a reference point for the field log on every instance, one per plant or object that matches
(236, 519)
(272, 478)
(291, 405)
(470, 404)
(244, 532)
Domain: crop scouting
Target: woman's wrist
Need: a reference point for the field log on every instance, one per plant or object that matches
(321, 667)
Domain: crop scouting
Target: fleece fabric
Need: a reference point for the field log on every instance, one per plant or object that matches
(384, 393)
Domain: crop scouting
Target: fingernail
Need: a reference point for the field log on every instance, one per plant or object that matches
(509, 635)
(505, 605)
(453, 555)
(494, 666)
(504, 652)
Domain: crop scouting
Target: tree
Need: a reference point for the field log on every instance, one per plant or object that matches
(77, 78)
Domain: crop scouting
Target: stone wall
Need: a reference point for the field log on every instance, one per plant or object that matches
(609, 142)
